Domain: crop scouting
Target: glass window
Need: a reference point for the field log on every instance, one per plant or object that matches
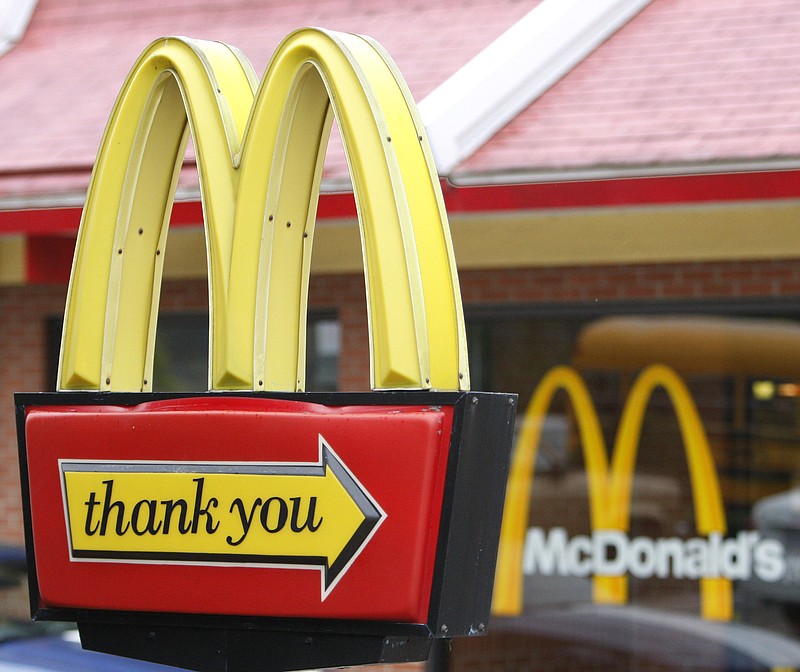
(658, 478)
(324, 345)
(180, 360)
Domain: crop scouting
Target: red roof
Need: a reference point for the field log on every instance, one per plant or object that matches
(60, 82)
(683, 83)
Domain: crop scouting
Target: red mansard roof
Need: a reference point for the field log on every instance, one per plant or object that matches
(684, 86)
(683, 83)
(60, 82)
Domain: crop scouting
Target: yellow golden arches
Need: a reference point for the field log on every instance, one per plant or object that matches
(609, 490)
(508, 584)
(414, 308)
(112, 302)
(716, 593)
(260, 161)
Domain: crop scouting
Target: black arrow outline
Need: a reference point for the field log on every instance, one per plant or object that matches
(328, 459)
(373, 514)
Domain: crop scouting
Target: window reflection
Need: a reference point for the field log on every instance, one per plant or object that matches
(742, 377)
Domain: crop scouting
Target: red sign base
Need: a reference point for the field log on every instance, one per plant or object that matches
(360, 525)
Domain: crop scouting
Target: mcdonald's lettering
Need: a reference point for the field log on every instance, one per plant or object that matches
(610, 492)
(612, 553)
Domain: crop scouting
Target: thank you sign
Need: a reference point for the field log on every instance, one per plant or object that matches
(256, 524)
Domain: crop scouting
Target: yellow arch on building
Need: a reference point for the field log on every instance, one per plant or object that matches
(508, 589)
(716, 593)
(259, 157)
(609, 489)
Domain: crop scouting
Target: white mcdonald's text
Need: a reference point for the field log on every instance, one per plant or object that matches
(614, 553)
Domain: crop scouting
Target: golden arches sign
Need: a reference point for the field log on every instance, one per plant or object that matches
(260, 173)
(260, 151)
(609, 489)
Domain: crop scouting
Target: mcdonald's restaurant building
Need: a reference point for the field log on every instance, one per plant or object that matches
(627, 233)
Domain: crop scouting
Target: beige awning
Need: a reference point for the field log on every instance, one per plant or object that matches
(695, 344)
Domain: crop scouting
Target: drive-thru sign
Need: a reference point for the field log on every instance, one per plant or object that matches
(256, 524)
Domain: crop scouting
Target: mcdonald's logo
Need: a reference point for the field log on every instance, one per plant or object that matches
(260, 150)
(610, 492)
(131, 496)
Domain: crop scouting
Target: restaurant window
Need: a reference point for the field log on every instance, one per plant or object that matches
(662, 495)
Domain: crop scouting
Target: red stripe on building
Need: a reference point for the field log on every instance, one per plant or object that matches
(660, 190)
(51, 232)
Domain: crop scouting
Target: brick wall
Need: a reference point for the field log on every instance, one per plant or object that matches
(23, 366)
(634, 282)
(24, 310)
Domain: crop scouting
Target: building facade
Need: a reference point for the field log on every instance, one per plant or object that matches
(640, 206)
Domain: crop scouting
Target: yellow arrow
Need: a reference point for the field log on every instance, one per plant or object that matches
(294, 515)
